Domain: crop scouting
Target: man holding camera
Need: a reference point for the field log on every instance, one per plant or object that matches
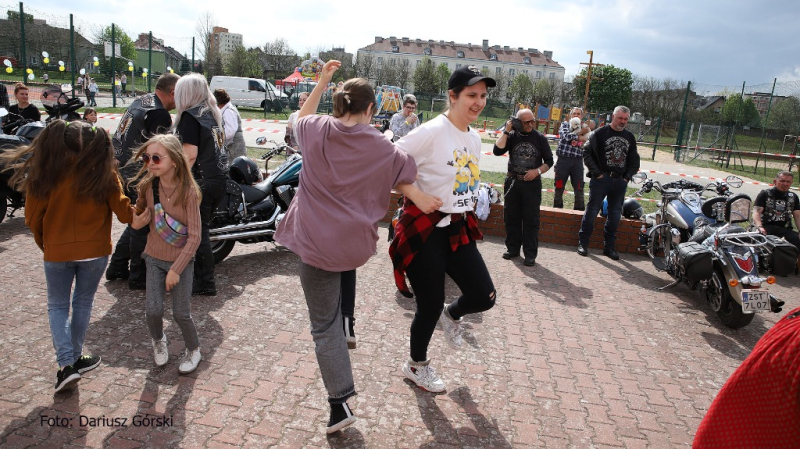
(529, 157)
(570, 161)
(612, 159)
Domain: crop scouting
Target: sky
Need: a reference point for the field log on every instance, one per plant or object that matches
(715, 44)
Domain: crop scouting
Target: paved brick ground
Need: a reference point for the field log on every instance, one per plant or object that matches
(577, 353)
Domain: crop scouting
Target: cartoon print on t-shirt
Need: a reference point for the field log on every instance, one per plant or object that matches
(467, 172)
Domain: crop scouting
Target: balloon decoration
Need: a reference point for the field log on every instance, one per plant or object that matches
(96, 61)
(144, 72)
(9, 70)
(130, 66)
(83, 72)
(170, 69)
(29, 71)
(46, 57)
(7, 63)
(61, 67)
(31, 76)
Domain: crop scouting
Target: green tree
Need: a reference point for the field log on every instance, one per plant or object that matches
(544, 91)
(126, 47)
(738, 112)
(442, 76)
(521, 89)
(786, 115)
(425, 78)
(242, 62)
(613, 88)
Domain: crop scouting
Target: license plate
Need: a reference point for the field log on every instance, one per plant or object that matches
(755, 301)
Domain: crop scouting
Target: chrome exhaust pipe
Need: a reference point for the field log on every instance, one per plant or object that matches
(256, 225)
(243, 235)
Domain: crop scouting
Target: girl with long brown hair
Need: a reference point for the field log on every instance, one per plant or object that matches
(72, 186)
(168, 190)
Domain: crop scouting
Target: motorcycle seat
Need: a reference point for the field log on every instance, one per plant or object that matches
(253, 194)
(264, 186)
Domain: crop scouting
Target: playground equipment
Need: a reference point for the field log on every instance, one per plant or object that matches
(389, 100)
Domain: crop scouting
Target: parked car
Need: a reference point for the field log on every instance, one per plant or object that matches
(251, 92)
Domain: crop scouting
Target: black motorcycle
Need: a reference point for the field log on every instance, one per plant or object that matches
(19, 131)
(250, 209)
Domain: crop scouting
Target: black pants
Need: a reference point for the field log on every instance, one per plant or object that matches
(569, 168)
(348, 292)
(521, 215)
(129, 248)
(427, 276)
(212, 190)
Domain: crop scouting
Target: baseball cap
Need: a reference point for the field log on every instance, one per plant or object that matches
(467, 76)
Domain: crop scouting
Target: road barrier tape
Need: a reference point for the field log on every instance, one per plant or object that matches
(585, 194)
(721, 150)
(260, 120)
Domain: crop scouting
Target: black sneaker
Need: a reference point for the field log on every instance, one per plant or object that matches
(137, 285)
(348, 323)
(86, 363)
(341, 417)
(583, 251)
(112, 274)
(611, 253)
(508, 255)
(204, 291)
(67, 378)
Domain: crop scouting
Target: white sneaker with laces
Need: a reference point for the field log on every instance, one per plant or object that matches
(422, 374)
(452, 330)
(189, 361)
(160, 351)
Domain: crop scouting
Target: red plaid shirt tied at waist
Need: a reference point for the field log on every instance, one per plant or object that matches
(414, 228)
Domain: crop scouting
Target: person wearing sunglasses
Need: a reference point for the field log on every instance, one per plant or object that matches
(146, 116)
(529, 157)
(405, 121)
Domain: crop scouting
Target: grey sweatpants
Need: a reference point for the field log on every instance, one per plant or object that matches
(181, 301)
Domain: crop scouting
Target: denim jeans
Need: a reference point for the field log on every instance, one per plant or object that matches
(68, 333)
(181, 301)
(606, 187)
(323, 297)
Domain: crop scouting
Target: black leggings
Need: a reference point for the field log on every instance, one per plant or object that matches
(427, 276)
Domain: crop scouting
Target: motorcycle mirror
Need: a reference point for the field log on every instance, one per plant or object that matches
(261, 140)
(3, 112)
(389, 134)
(639, 178)
(734, 181)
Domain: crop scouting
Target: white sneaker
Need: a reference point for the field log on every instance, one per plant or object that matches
(160, 351)
(452, 330)
(189, 361)
(422, 374)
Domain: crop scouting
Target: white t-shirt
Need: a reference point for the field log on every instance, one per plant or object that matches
(447, 163)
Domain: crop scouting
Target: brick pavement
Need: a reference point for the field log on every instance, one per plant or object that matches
(577, 353)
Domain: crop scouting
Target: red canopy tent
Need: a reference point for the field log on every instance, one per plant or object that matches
(292, 79)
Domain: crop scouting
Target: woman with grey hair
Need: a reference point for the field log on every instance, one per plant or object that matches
(198, 124)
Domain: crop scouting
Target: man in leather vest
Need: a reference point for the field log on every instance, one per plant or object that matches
(146, 116)
(775, 207)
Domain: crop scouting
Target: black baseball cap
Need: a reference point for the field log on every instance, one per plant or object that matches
(467, 76)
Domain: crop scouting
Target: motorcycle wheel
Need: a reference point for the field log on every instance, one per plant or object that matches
(221, 249)
(727, 309)
(3, 208)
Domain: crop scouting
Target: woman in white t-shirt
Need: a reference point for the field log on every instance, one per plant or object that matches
(427, 247)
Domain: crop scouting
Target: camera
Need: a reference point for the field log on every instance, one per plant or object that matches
(516, 124)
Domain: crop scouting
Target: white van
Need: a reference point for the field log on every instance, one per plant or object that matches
(250, 92)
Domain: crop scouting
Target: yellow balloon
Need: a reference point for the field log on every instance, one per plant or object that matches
(144, 75)
(171, 71)
(61, 68)
(9, 70)
(46, 60)
(29, 71)
(96, 63)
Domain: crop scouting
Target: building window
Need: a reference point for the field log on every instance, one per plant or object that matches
(493, 57)
(485, 69)
(498, 70)
(459, 54)
(510, 72)
(395, 49)
(392, 62)
(552, 75)
(525, 71)
(538, 74)
(418, 61)
(458, 66)
(380, 61)
(428, 51)
(526, 60)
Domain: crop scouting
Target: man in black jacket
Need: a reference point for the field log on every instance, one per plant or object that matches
(529, 157)
(612, 160)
